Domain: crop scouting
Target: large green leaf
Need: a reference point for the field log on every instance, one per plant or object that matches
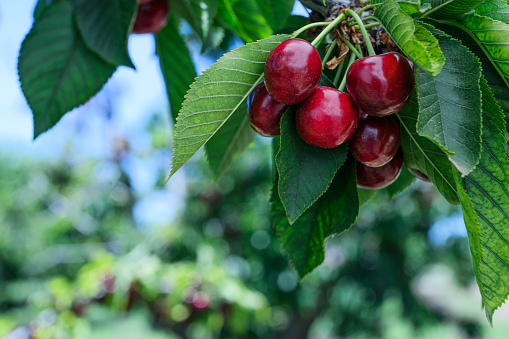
(495, 9)
(413, 39)
(450, 9)
(404, 180)
(57, 71)
(176, 63)
(422, 154)
(105, 26)
(198, 13)
(39, 7)
(216, 95)
(495, 82)
(487, 217)
(276, 11)
(305, 171)
(230, 141)
(333, 213)
(245, 19)
(408, 6)
(450, 104)
(492, 36)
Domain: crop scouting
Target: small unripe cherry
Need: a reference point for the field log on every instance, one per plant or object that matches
(379, 177)
(292, 71)
(327, 118)
(264, 112)
(376, 140)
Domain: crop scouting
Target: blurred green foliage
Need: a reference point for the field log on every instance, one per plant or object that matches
(74, 263)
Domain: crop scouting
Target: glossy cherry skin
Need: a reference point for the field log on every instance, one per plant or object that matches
(382, 84)
(327, 118)
(152, 16)
(379, 177)
(292, 71)
(376, 140)
(264, 112)
(418, 174)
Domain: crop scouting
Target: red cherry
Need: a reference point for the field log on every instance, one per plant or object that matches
(264, 112)
(376, 140)
(152, 16)
(418, 174)
(382, 84)
(327, 118)
(292, 71)
(379, 177)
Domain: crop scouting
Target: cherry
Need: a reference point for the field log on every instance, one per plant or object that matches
(264, 112)
(418, 174)
(376, 140)
(327, 118)
(381, 84)
(379, 177)
(292, 71)
(152, 16)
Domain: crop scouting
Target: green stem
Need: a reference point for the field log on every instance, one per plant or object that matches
(365, 2)
(303, 29)
(365, 8)
(327, 29)
(328, 54)
(338, 73)
(353, 56)
(352, 48)
(365, 34)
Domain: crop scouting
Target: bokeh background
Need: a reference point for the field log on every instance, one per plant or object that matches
(95, 244)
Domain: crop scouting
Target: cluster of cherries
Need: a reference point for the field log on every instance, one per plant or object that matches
(378, 86)
(152, 16)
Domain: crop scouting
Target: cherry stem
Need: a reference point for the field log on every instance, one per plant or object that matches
(353, 56)
(327, 29)
(365, 8)
(305, 28)
(328, 54)
(351, 47)
(338, 73)
(365, 34)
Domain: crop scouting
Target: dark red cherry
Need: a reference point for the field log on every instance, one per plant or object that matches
(376, 140)
(418, 174)
(264, 112)
(379, 177)
(292, 71)
(152, 16)
(327, 118)
(381, 84)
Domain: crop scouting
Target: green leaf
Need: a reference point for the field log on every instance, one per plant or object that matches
(199, 14)
(495, 9)
(39, 7)
(230, 141)
(413, 39)
(105, 26)
(450, 9)
(57, 71)
(216, 95)
(487, 216)
(492, 36)
(365, 195)
(305, 171)
(404, 180)
(495, 82)
(276, 11)
(245, 19)
(293, 23)
(422, 154)
(176, 63)
(450, 104)
(333, 213)
(408, 6)
(214, 39)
